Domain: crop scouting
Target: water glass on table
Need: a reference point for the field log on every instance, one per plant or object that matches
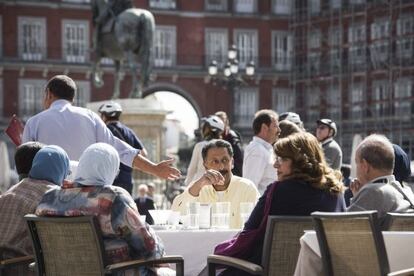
(220, 215)
(193, 211)
(246, 209)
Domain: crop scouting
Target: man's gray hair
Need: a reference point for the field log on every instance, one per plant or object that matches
(377, 150)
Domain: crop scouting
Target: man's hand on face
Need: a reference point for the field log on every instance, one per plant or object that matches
(210, 177)
(355, 186)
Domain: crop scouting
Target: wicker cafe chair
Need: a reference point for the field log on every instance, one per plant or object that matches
(280, 250)
(74, 246)
(400, 222)
(351, 243)
(16, 266)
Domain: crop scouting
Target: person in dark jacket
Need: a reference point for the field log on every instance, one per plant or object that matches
(110, 113)
(305, 184)
(235, 140)
(144, 203)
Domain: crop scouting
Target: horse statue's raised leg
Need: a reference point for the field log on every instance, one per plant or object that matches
(97, 74)
(117, 83)
(136, 85)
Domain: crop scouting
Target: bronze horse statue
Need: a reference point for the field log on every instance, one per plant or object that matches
(123, 33)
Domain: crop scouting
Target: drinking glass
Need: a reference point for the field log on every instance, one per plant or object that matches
(220, 215)
(193, 212)
(246, 209)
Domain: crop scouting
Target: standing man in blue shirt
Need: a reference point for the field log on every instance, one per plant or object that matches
(110, 113)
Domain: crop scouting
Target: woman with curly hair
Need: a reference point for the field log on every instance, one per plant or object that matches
(305, 184)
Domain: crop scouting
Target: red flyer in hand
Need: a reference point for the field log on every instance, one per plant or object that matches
(15, 130)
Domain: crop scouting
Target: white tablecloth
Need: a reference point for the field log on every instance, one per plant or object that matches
(193, 245)
(399, 247)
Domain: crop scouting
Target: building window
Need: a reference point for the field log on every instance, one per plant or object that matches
(165, 46)
(245, 6)
(32, 38)
(245, 106)
(380, 97)
(283, 100)
(162, 4)
(246, 43)
(282, 50)
(357, 96)
(405, 37)
(334, 103)
(335, 52)
(335, 4)
(1, 99)
(314, 6)
(31, 95)
(83, 94)
(216, 41)
(313, 104)
(380, 31)
(402, 97)
(75, 40)
(314, 48)
(216, 5)
(78, 1)
(1, 36)
(282, 7)
(335, 37)
(357, 42)
(314, 40)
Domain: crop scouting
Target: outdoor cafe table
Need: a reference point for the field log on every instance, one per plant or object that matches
(193, 245)
(399, 247)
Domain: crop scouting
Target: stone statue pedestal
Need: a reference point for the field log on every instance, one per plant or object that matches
(146, 118)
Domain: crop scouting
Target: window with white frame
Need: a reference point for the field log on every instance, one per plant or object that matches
(335, 4)
(380, 31)
(357, 101)
(313, 104)
(314, 6)
(405, 34)
(314, 39)
(83, 93)
(165, 46)
(334, 102)
(216, 5)
(1, 36)
(380, 97)
(283, 100)
(216, 43)
(245, 106)
(247, 46)
(162, 4)
(245, 6)
(1, 98)
(314, 62)
(31, 95)
(282, 7)
(32, 37)
(282, 50)
(75, 40)
(335, 36)
(357, 42)
(335, 52)
(402, 97)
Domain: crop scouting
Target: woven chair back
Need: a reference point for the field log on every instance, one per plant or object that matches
(67, 246)
(400, 222)
(351, 244)
(281, 246)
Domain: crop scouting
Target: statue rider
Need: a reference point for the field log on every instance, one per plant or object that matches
(104, 20)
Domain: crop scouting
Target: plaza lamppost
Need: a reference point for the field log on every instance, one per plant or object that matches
(230, 77)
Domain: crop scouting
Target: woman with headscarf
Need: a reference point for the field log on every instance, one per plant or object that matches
(49, 168)
(125, 236)
(305, 184)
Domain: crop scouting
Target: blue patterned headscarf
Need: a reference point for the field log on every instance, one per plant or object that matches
(98, 165)
(51, 163)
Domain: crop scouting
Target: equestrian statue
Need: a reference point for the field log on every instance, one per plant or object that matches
(122, 33)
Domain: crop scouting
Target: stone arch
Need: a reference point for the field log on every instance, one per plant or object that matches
(168, 87)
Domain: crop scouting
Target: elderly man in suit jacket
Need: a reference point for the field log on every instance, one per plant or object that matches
(376, 187)
(144, 203)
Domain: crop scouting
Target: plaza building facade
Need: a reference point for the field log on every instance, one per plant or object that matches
(348, 60)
